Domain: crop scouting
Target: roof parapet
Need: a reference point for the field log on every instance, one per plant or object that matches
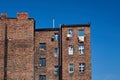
(3, 16)
(22, 15)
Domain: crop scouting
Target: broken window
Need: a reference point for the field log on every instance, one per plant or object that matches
(55, 37)
(81, 67)
(70, 50)
(70, 33)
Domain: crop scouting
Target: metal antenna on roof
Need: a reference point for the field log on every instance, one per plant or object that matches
(60, 25)
(53, 23)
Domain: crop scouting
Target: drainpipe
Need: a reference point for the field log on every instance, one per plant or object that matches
(5, 52)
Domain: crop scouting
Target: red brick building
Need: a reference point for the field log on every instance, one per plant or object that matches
(27, 53)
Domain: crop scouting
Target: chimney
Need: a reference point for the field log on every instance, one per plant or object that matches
(3, 16)
(22, 15)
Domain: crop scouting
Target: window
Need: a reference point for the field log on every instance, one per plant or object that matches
(56, 70)
(42, 61)
(81, 49)
(81, 32)
(70, 33)
(81, 35)
(56, 52)
(70, 50)
(54, 37)
(43, 46)
(81, 67)
(35, 68)
(42, 77)
(71, 68)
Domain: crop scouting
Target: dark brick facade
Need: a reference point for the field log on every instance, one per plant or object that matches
(2, 49)
(17, 48)
(29, 54)
(44, 36)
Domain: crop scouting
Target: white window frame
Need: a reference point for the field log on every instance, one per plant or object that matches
(70, 50)
(70, 33)
(55, 36)
(69, 67)
(81, 49)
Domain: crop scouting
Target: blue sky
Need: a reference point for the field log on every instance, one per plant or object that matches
(104, 16)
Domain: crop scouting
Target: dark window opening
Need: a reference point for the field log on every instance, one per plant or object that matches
(42, 62)
(55, 37)
(42, 46)
(56, 52)
(82, 67)
(42, 77)
(71, 68)
(35, 68)
(56, 70)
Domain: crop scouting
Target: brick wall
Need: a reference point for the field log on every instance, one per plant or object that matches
(76, 58)
(20, 49)
(2, 42)
(44, 36)
(21, 42)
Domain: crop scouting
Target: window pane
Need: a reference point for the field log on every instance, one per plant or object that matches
(81, 67)
(56, 52)
(42, 61)
(43, 46)
(35, 68)
(70, 33)
(56, 36)
(81, 49)
(70, 50)
(81, 33)
(71, 68)
(56, 70)
(42, 77)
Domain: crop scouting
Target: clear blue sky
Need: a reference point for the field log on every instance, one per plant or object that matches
(104, 16)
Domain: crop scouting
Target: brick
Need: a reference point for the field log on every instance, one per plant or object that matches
(20, 50)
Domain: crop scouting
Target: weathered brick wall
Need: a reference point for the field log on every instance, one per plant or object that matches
(51, 61)
(20, 53)
(20, 50)
(2, 37)
(76, 58)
